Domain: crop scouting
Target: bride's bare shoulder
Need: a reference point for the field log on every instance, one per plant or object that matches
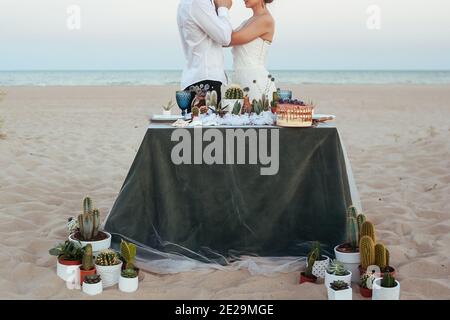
(267, 19)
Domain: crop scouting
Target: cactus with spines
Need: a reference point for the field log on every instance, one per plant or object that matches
(367, 252)
(107, 258)
(195, 111)
(352, 232)
(380, 256)
(367, 229)
(88, 221)
(88, 259)
(234, 93)
(211, 99)
(388, 257)
(360, 218)
(388, 281)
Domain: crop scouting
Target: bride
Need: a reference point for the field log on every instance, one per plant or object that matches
(251, 42)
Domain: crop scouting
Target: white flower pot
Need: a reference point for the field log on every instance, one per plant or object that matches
(346, 294)
(381, 293)
(67, 272)
(330, 278)
(128, 284)
(320, 267)
(110, 274)
(97, 246)
(92, 289)
(167, 112)
(230, 103)
(351, 262)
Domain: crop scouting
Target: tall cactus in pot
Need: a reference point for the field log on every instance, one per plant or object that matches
(88, 221)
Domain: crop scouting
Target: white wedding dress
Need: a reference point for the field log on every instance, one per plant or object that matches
(249, 68)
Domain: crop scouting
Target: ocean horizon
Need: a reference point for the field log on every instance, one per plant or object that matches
(172, 77)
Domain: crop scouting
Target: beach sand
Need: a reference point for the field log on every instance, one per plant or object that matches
(61, 143)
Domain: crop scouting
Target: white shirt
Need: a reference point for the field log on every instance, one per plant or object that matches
(203, 34)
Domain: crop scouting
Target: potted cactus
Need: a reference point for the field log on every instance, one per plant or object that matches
(339, 290)
(233, 95)
(108, 266)
(321, 263)
(69, 259)
(127, 255)
(348, 252)
(128, 281)
(88, 229)
(337, 272)
(386, 288)
(167, 108)
(366, 285)
(307, 275)
(87, 264)
(92, 285)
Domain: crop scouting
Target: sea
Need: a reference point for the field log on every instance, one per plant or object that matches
(172, 77)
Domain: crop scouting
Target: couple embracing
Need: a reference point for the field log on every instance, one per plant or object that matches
(205, 29)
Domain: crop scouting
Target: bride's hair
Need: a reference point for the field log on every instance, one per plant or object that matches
(268, 1)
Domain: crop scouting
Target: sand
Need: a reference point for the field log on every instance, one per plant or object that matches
(60, 143)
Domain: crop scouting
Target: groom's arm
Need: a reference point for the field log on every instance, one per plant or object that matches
(216, 25)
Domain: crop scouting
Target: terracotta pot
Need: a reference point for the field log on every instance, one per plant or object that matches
(304, 278)
(84, 273)
(366, 293)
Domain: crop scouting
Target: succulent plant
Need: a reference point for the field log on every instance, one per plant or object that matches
(366, 281)
(107, 258)
(169, 105)
(69, 251)
(265, 103)
(92, 279)
(88, 221)
(129, 273)
(128, 252)
(237, 108)
(203, 109)
(247, 107)
(388, 281)
(234, 93)
(256, 106)
(337, 268)
(87, 262)
(313, 255)
(339, 285)
(367, 252)
(367, 229)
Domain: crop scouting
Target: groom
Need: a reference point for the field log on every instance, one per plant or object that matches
(204, 31)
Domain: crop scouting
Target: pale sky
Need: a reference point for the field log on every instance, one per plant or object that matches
(142, 34)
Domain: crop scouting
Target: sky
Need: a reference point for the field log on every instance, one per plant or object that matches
(143, 34)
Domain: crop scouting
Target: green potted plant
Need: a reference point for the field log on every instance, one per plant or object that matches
(69, 259)
(128, 281)
(88, 229)
(337, 272)
(92, 285)
(348, 252)
(386, 288)
(108, 266)
(322, 262)
(233, 95)
(167, 108)
(339, 290)
(307, 275)
(127, 255)
(366, 285)
(87, 264)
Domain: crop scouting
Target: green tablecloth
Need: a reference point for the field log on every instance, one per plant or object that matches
(216, 212)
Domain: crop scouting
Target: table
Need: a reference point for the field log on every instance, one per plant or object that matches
(216, 213)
